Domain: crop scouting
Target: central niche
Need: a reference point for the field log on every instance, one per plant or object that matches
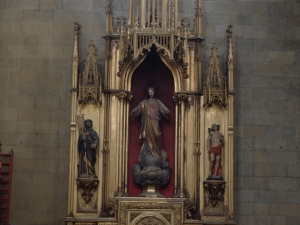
(152, 72)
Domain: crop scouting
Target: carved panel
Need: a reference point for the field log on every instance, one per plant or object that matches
(215, 87)
(90, 80)
(151, 212)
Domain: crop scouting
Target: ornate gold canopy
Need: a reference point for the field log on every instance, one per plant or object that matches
(199, 102)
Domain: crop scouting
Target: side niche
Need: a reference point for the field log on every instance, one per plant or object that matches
(217, 139)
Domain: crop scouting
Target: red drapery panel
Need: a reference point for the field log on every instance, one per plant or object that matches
(152, 73)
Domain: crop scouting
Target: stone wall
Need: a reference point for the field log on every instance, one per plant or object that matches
(36, 39)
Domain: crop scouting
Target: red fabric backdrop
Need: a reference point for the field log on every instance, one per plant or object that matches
(152, 73)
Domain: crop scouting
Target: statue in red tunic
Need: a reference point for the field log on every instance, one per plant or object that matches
(215, 143)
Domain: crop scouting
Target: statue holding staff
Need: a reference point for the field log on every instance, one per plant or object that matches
(87, 144)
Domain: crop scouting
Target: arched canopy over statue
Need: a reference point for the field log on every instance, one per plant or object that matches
(87, 144)
(152, 167)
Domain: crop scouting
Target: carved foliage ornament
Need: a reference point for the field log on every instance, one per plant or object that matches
(90, 80)
(190, 207)
(215, 87)
(124, 96)
(112, 206)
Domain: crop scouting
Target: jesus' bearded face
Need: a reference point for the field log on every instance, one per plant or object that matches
(151, 93)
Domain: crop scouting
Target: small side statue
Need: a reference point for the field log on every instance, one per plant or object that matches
(152, 168)
(215, 143)
(87, 144)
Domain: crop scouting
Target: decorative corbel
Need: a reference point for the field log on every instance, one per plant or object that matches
(87, 185)
(215, 191)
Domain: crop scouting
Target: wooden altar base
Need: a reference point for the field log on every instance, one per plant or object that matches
(150, 211)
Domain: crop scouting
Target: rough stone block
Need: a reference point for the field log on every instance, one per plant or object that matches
(292, 219)
(272, 196)
(245, 93)
(293, 170)
(9, 63)
(256, 32)
(278, 170)
(256, 157)
(245, 220)
(261, 20)
(283, 82)
(8, 113)
(293, 145)
(293, 20)
(261, 209)
(228, 7)
(23, 153)
(243, 144)
(256, 81)
(209, 31)
(292, 45)
(256, 182)
(208, 6)
(46, 127)
(283, 209)
(255, 106)
(51, 4)
(239, 182)
(277, 20)
(11, 15)
(280, 8)
(253, 131)
(293, 197)
(244, 19)
(7, 39)
(268, 69)
(276, 220)
(293, 94)
(282, 132)
(187, 6)
(244, 208)
(269, 144)
(266, 119)
(282, 33)
(245, 68)
(247, 196)
(31, 114)
(37, 15)
(297, 32)
(268, 45)
(283, 183)
(21, 101)
(269, 94)
(255, 7)
(282, 57)
(48, 102)
(244, 169)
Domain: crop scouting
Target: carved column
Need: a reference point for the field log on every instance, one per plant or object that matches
(73, 151)
(122, 142)
(180, 148)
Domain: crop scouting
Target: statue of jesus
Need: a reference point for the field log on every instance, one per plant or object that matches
(151, 109)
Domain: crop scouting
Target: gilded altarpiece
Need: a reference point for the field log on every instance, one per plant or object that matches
(155, 48)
